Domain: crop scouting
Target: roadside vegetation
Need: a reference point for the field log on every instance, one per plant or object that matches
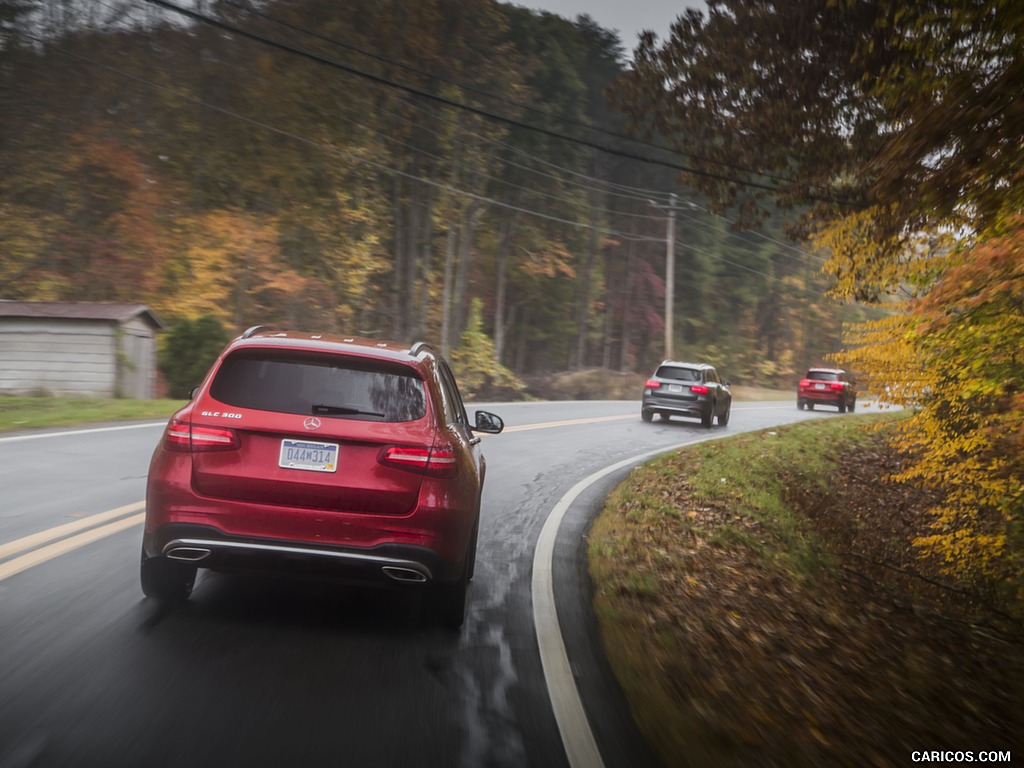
(30, 412)
(762, 602)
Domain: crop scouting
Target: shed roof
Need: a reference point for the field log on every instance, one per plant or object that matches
(79, 310)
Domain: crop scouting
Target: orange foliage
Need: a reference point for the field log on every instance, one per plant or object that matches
(957, 356)
(554, 261)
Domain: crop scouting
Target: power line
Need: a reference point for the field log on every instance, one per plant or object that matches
(453, 102)
(641, 194)
(385, 168)
(592, 184)
(491, 96)
(351, 157)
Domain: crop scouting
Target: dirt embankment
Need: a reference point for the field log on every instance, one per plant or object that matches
(874, 657)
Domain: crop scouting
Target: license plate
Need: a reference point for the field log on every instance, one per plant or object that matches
(819, 386)
(306, 454)
(675, 388)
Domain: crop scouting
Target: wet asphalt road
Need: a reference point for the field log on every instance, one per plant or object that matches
(255, 671)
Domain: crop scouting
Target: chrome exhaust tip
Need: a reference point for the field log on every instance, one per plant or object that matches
(188, 554)
(407, 575)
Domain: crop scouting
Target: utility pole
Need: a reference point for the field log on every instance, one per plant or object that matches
(670, 269)
(670, 274)
(670, 263)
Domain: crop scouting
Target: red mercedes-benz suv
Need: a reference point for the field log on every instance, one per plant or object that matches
(347, 457)
(826, 386)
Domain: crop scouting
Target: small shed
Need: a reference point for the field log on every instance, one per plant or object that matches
(78, 349)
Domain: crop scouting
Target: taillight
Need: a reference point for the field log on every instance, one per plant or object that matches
(837, 385)
(177, 436)
(439, 461)
(699, 389)
(181, 435)
(652, 384)
(805, 383)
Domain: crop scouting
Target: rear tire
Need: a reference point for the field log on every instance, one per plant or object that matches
(705, 419)
(723, 418)
(842, 407)
(472, 548)
(452, 600)
(166, 580)
(850, 406)
(810, 406)
(646, 416)
(800, 405)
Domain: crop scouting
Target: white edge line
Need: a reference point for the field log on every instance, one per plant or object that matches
(577, 737)
(39, 436)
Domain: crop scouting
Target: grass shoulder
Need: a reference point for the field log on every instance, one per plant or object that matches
(761, 603)
(33, 412)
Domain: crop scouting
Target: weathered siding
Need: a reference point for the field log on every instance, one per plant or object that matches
(137, 369)
(58, 356)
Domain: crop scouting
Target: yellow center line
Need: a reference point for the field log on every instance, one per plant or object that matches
(36, 539)
(570, 422)
(37, 556)
(600, 419)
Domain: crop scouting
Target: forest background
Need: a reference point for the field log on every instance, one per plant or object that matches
(425, 169)
(456, 171)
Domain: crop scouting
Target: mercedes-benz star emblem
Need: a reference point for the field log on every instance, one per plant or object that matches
(311, 423)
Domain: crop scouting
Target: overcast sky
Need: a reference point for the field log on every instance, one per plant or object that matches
(628, 17)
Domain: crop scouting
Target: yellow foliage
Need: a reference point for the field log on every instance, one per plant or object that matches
(230, 257)
(954, 355)
(865, 262)
(475, 363)
(23, 232)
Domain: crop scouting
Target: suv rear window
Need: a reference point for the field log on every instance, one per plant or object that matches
(678, 374)
(822, 376)
(330, 386)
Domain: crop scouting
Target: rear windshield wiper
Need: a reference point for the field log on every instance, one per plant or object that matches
(345, 410)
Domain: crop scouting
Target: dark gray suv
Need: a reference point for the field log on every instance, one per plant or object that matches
(687, 389)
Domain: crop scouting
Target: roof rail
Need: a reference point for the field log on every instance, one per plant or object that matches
(418, 347)
(256, 329)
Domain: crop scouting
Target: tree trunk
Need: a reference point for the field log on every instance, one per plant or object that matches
(462, 271)
(627, 295)
(583, 308)
(509, 220)
(398, 268)
(446, 290)
(412, 261)
(426, 264)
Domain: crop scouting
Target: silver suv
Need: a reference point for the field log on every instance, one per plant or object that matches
(687, 389)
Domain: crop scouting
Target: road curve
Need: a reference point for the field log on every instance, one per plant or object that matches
(259, 671)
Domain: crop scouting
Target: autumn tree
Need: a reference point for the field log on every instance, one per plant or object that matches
(960, 348)
(475, 365)
(893, 133)
(363, 167)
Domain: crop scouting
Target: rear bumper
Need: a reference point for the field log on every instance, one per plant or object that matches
(387, 564)
(698, 408)
(821, 398)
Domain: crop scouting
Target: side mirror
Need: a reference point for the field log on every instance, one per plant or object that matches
(192, 393)
(488, 422)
